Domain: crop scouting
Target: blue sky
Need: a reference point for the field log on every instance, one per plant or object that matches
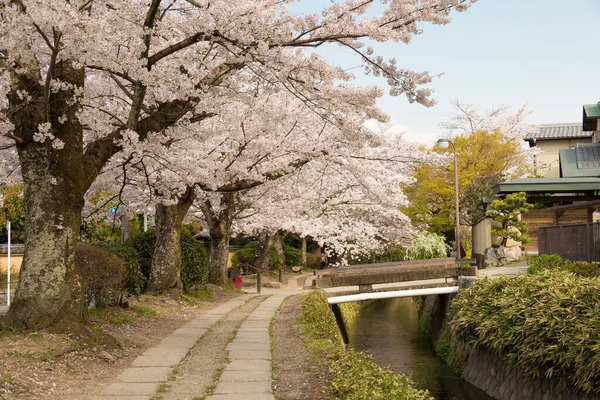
(540, 52)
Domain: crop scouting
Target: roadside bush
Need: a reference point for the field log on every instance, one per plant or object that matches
(354, 374)
(554, 261)
(135, 281)
(545, 324)
(248, 255)
(144, 245)
(543, 262)
(194, 262)
(102, 272)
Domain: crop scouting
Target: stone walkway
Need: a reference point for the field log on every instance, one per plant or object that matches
(246, 376)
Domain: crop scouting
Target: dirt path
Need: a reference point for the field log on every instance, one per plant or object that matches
(199, 370)
(299, 376)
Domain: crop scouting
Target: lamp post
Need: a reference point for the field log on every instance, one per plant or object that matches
(443, 144)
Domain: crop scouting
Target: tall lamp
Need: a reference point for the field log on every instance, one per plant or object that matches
(443, 144)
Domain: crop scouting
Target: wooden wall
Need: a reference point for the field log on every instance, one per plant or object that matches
(536, 218)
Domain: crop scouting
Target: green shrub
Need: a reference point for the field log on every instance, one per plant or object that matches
(293, 256)
(546, 324)
(135, 281)
(194, 262)
(354, 374)
(102, 272)
(248, 255)
(542, 262)
(144, 245)
(554, 261)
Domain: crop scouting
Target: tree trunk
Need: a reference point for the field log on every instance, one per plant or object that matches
(219, 225)
(262, 251)
(54, 184)
(303, 248)
(278, 245)
(165, 272)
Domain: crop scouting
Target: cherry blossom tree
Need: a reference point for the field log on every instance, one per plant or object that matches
(85, 79)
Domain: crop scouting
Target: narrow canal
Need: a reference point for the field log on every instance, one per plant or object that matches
(389, 330)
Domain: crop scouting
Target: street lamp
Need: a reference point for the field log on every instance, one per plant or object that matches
(443, 144)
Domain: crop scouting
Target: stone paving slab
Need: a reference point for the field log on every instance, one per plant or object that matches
(250, 355)
(145, 374)
(241, 396)
(245, 376)
(131, 389)
(249, 365)
(249, 346)
(249, 388)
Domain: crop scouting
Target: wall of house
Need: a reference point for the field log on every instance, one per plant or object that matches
(15, 263)
(547, 161)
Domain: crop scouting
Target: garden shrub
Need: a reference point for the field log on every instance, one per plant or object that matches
(542, 262)
(546, 324)
(194, 262)
(354, 374)
(144, 245)
(135, 281)
(554, 261)
(102, 273)
(248, 255)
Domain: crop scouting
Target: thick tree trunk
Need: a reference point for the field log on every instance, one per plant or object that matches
(219, 225)
(165, 272)
(54, 184)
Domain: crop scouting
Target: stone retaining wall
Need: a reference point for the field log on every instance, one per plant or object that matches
(496, 377)
(483, 368)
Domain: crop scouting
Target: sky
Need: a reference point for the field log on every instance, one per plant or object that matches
(542, 53)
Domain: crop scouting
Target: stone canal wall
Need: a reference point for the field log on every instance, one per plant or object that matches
(502, 381)
(483, 368)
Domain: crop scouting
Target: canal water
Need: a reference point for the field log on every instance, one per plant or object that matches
(389, 330)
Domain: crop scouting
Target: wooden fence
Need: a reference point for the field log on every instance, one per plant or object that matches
(577, 242)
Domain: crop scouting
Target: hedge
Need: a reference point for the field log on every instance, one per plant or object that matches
(545, 324)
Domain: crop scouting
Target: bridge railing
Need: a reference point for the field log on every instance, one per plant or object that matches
(366, 275)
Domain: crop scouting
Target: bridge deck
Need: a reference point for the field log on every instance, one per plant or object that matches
(367, 275)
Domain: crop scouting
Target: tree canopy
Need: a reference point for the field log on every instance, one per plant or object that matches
(484, 159)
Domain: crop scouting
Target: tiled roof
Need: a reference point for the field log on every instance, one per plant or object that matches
(588, 156)
(559, 131)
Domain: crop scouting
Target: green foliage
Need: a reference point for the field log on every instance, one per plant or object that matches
(102, 272)
(507, 211)
(194, 262)
(354, 374)
(293, 256)
(388, 255)
(546, 324)
(13, 210)
(427, 245)
(248, 255)
(554, 261)
(484, 159)
(144, 245)
(143, 309)
(317, 316)
(135, 281)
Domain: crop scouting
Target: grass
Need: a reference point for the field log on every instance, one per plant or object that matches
(198, 295)
(143, 309)
(42, 355)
